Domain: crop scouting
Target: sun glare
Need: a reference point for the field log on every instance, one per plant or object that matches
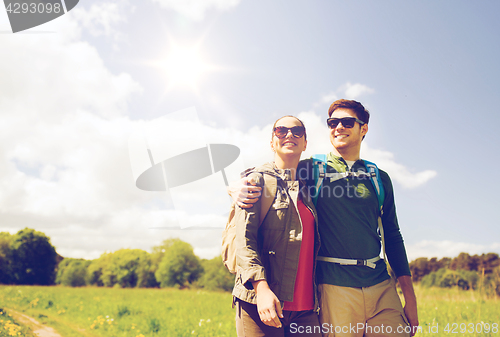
(184, 66)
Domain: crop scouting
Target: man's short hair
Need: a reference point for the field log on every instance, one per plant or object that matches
(355, 106)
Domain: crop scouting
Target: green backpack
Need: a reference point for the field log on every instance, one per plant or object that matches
(372, 172)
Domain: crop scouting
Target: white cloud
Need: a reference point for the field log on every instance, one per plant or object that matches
(346, 91)
(63, 158)
(328, 99)
(440, 249)
(102, 18)
(318, 140)
(195, 9)
(79, 241)
(385, 160)
(353, 91)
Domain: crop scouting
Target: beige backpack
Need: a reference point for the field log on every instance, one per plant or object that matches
(229, 233)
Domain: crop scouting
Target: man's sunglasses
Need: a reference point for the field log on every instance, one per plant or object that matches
(347, 122)
(282, 131)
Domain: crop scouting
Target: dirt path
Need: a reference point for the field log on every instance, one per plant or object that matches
(38, 328)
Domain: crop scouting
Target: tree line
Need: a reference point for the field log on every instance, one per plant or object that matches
(29, 258)
(480, 272)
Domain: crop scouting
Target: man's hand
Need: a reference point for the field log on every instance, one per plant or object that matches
(412, 316)
(244, 192)
(268, 305)
(410, 302)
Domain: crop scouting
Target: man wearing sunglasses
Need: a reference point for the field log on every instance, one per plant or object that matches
(356, 299)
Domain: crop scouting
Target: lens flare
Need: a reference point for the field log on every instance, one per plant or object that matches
(184, 66)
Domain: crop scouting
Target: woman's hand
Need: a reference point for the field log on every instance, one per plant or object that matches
(268, 305)
(244, 192)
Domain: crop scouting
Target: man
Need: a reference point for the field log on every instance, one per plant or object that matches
(357, 295)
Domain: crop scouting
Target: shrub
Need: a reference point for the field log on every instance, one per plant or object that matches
(178, 266)
(215, 275)
(72, 272)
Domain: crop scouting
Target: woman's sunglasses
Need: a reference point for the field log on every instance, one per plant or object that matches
(282, 131)
(347, 122)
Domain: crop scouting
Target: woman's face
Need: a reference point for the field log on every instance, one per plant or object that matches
(289, 144)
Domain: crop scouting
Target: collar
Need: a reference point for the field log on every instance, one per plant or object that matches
(339, 163)
(285, 174)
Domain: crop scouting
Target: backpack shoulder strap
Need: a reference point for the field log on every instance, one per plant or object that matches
(268, 195)
(319, 170)
(320, 173)
(374, 173)
(319, 157)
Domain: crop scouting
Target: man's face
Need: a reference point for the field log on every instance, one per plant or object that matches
(343, 138)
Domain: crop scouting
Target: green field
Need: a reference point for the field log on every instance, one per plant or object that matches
(171, 312)
(124, 312)
(454, 312)
(9, 327)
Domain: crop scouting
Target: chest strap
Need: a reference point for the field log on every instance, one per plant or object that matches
(351, 262)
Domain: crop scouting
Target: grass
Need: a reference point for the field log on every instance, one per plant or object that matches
(456, 312)
(9, 327)
(93, 312)
(117, 312)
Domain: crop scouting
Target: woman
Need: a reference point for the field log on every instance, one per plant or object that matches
(276, 259)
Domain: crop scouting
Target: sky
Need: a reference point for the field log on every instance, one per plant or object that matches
(83, 98)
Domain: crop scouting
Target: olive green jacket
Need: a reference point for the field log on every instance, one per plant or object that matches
(271, 251)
